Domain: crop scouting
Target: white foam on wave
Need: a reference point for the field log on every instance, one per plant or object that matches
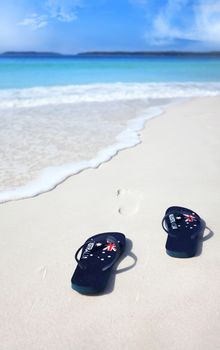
(52, 176)
(40, 96)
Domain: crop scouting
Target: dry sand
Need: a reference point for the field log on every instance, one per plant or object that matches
(156, 302)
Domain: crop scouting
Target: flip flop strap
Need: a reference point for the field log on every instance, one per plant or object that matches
(83, 267)
(164, 227)
(76, 257)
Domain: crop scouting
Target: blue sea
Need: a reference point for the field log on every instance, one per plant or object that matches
(61, 115)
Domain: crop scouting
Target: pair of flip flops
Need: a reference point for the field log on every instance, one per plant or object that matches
(100, 252)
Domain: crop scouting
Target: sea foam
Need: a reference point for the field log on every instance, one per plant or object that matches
(52, 176)
(40, 96)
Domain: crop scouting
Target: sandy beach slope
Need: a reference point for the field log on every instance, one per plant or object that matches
(155, 302)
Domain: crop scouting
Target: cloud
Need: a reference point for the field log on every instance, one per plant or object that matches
(25, 36)
(34, 21)
(41, 25)
(60, 10)
(63, 10)
(207, 21)
(192, 20)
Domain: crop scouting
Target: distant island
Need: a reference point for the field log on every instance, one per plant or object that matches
(30, 54)
(147, 53)
(112, 54)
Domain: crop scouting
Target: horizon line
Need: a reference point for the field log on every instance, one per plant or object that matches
(109, 52)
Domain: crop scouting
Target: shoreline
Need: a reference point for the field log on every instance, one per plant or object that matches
(176, 163)
(53, 176)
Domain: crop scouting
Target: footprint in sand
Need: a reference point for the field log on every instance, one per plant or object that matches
(129, 201)
(42, 270)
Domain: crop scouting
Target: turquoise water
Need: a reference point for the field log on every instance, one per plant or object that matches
(30, 72)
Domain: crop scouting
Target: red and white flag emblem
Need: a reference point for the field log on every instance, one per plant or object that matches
(110, 247)
(189, 218)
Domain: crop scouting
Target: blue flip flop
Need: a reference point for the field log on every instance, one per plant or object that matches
(98, 256)
(184, 228)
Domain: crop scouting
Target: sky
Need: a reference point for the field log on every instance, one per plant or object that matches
(72, 26)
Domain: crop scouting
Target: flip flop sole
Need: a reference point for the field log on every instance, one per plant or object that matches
(84, 290)
(175, 254)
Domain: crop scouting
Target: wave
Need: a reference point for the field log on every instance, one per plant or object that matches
(41, 96)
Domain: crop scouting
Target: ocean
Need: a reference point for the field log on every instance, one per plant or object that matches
(59, 116)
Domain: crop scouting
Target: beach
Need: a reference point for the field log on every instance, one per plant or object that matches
(155, 302)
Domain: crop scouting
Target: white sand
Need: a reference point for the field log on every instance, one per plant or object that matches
(160, 303)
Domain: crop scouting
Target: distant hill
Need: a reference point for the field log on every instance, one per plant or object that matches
(112, 54)
(30, 54)
(147, 53)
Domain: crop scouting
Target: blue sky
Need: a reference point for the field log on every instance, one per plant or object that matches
(71, 26)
